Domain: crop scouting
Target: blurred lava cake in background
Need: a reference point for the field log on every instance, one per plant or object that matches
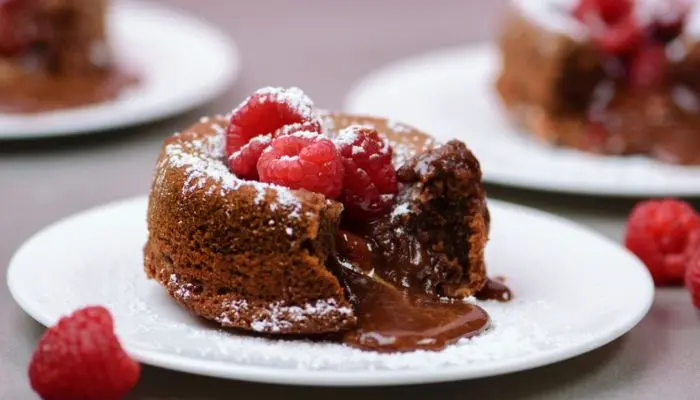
(55, 54)
(605, 76)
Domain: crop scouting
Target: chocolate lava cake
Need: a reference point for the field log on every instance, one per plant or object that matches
(617, 77)
(55, 54)
(272, 258)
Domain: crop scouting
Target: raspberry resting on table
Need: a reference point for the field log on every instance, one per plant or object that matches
(303, 160)
(659, 233)
(692, 275)
(370, 183)
(80, 358)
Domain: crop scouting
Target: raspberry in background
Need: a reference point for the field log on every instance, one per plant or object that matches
(80, 358)
(16, 33)
(612, 24)
(257, 119)
(370, 184)
(303, 160)
(647, 67)
(609, 11)
(659, 233)
(692, 278)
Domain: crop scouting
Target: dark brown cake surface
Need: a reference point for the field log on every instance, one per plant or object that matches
(261, 257)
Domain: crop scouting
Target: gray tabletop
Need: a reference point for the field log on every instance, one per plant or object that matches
(324, 46)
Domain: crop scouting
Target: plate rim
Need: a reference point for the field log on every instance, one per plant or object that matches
(335, 378)
(360, 86)
(232, 56)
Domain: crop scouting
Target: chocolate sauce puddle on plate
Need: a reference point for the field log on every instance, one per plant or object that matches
(495, 289)
(406, 318)
(391, 320)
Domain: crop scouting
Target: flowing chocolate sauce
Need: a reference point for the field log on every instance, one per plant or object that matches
(400, 318)
(495, 289)
(34, 93)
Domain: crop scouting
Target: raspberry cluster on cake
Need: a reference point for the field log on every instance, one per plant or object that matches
(283, 219)
(616, 77)
(55, 54)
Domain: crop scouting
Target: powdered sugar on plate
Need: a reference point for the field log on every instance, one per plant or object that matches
(513, 334)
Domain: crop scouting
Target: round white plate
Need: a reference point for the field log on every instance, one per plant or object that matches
(450, 94)
(182, 62)
(566, 282)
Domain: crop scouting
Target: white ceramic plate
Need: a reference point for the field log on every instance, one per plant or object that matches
(450, 94)
(566, 282)
(183, 63)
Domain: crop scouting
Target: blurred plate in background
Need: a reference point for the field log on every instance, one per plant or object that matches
(182, 63)
(450, 94)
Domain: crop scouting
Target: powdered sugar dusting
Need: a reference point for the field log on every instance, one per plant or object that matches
(347, 136)
(202, 160)
(398, 127)
(402, 151)
(399, 210)
(181, 290)
(554, 15)
(278, 316)
(262, 139)
(664, 11)
(294, 97)
(513, 334)
(306, 135)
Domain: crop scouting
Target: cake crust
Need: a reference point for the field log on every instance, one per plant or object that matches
(260, 257)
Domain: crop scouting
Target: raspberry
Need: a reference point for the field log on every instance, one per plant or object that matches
(263, 113)
(80, 358)
(648, 66)
(692, 277)
(658, 232)
(370, 183)
(622, 37)
(609, 11)
(303, 160)
(309, 126)
(15, 33)
(612, 23)
(597, 136)
(244, 162)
